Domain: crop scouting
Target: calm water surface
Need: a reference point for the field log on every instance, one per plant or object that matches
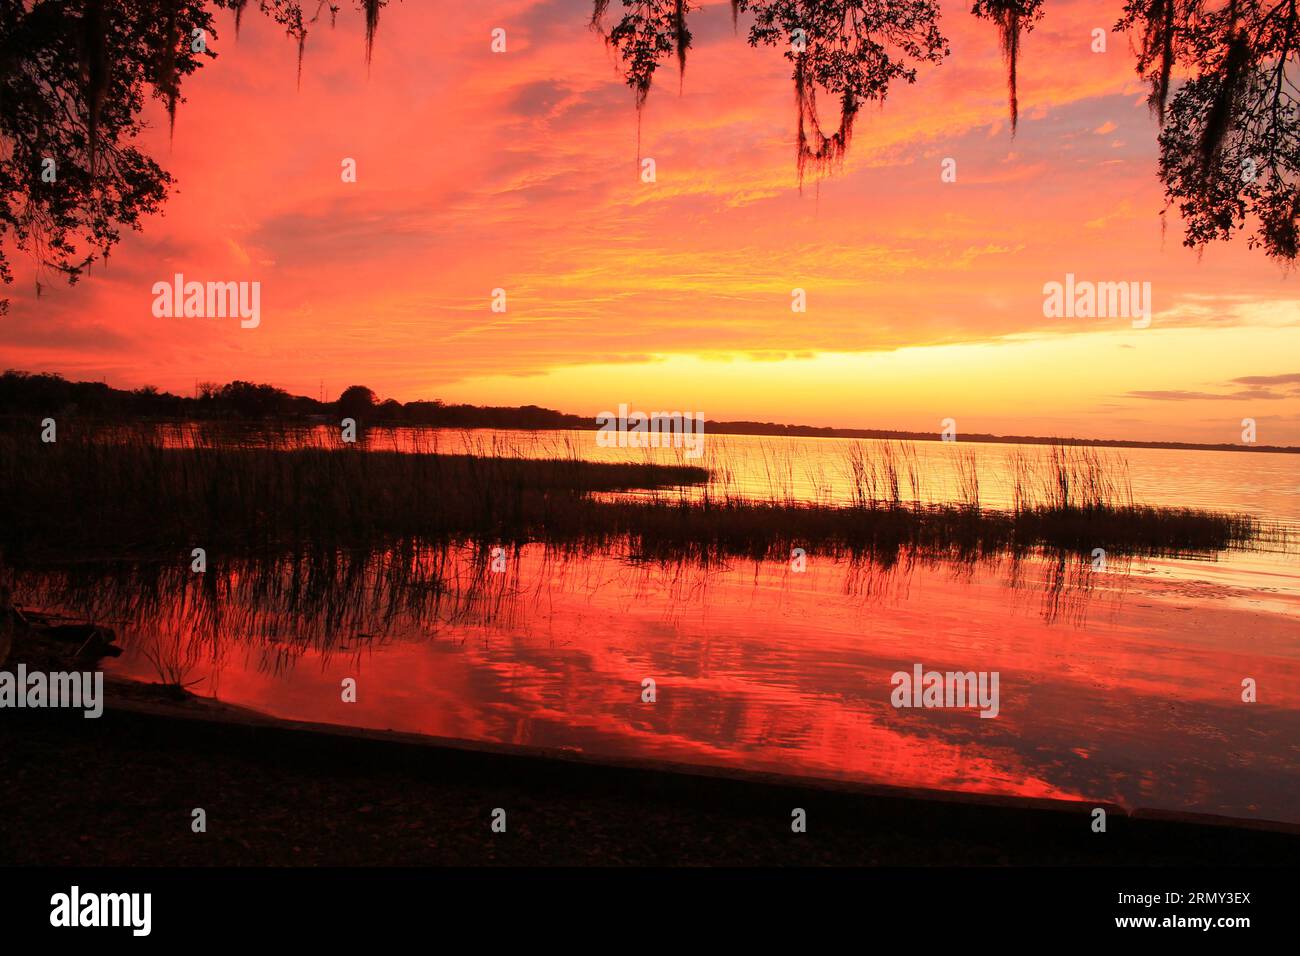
(1121, 686)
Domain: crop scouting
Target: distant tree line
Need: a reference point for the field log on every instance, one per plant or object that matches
(45, 393)
(38, 394)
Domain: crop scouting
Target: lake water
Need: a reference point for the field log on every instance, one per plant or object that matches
(1123, 685)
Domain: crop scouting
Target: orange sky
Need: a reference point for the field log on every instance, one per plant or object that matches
(519, 170)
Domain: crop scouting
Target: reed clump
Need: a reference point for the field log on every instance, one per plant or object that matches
(132, 493)
(128, 493)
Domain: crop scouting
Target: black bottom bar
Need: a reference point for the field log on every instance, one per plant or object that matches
(542, 907)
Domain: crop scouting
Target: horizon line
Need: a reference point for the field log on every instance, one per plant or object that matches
(719, 426)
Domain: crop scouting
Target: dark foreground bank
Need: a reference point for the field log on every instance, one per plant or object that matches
(121, 790)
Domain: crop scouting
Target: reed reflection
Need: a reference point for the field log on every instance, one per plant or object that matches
(349, 602)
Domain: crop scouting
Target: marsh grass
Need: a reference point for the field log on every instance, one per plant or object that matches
(128, 492)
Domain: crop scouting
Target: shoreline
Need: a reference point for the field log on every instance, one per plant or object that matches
(158, 700)
(120, 790)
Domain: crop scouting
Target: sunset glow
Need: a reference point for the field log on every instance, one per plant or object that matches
(478, 171)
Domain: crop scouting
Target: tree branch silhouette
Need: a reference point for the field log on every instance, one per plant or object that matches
(75, 76)
(1229, 136)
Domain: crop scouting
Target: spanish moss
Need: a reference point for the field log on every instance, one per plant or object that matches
(1011, 17)
(168, 78)
(1236, 74)
(1166, 39)
(372, 24)
(824, 153)
(94, 72)
(682, 37)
